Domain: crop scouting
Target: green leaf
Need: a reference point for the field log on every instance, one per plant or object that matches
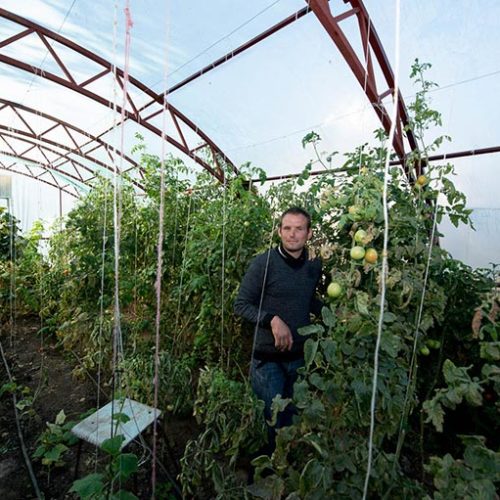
(277, 406)
(313, 439)
(389, 317)
(39, 452)
(126, 465)
(8, 387)
(328, 317)
(435, 413)
(317, 381)
(113, 445)
(473, 394)
(24, 403)
(217, 477)
(262, 461)
(454, 374)
(329, 348)
(490, 351)
(310, 137)
(269, 488)
(362, 301)
(60, 418)
(311, 329)
(301, 393)
(453, 397)
(344, 461)
(389, 343)
(55, 453)
(121, 417)
(360, 388)
(88, 486)
(314, 412)
(311, 476)
(310, 350)
(491, 372)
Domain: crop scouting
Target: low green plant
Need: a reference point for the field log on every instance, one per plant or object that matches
(176, 387)
(232, 427)
(475, 476)
(55, 441)
(23, 397)
(102, 485)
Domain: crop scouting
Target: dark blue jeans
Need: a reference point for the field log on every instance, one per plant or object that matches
(268, 379)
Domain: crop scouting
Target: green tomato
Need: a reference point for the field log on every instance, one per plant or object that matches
(424, 350)
(360, 236)
(334, 290)
(357, 253)
(355, 212)
(433, 344)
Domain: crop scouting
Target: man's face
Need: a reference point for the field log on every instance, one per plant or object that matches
(294, 233)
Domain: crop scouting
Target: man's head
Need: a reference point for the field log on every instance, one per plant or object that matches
(294, 230)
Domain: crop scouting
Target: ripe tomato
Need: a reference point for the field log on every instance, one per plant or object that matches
(357, 252)
(422, 180)
(334, 290)
(371, 256)
(360, 236)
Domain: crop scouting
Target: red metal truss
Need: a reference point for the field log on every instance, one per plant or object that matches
(53, 181)
(373, 53)
(28, 152)
(83, 143)
(194, 146)
(54, 154)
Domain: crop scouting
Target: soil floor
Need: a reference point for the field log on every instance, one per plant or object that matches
(36, 363)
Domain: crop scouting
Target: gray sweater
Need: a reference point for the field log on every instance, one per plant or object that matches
(289, 292)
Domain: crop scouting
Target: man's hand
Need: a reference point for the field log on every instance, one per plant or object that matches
(283, 339)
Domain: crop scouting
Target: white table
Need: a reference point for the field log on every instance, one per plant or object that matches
(100, 426)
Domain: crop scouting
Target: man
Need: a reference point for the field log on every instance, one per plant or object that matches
(277, 294)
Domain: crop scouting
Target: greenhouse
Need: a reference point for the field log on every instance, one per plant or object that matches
(249, 249)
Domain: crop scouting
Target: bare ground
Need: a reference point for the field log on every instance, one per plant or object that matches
(38, 364)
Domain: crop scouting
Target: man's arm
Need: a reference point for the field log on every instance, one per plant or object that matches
(248, 300)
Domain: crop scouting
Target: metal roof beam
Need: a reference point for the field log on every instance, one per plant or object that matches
(97, 142)
(70, 81)
(373, 52)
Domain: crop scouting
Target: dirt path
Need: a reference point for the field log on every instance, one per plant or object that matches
(37, 364)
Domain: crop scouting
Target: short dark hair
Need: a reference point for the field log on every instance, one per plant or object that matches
(297, 211)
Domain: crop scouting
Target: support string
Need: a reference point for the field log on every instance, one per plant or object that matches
(384, 255)
(159, 273)
(413, 362)
(223, 276)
